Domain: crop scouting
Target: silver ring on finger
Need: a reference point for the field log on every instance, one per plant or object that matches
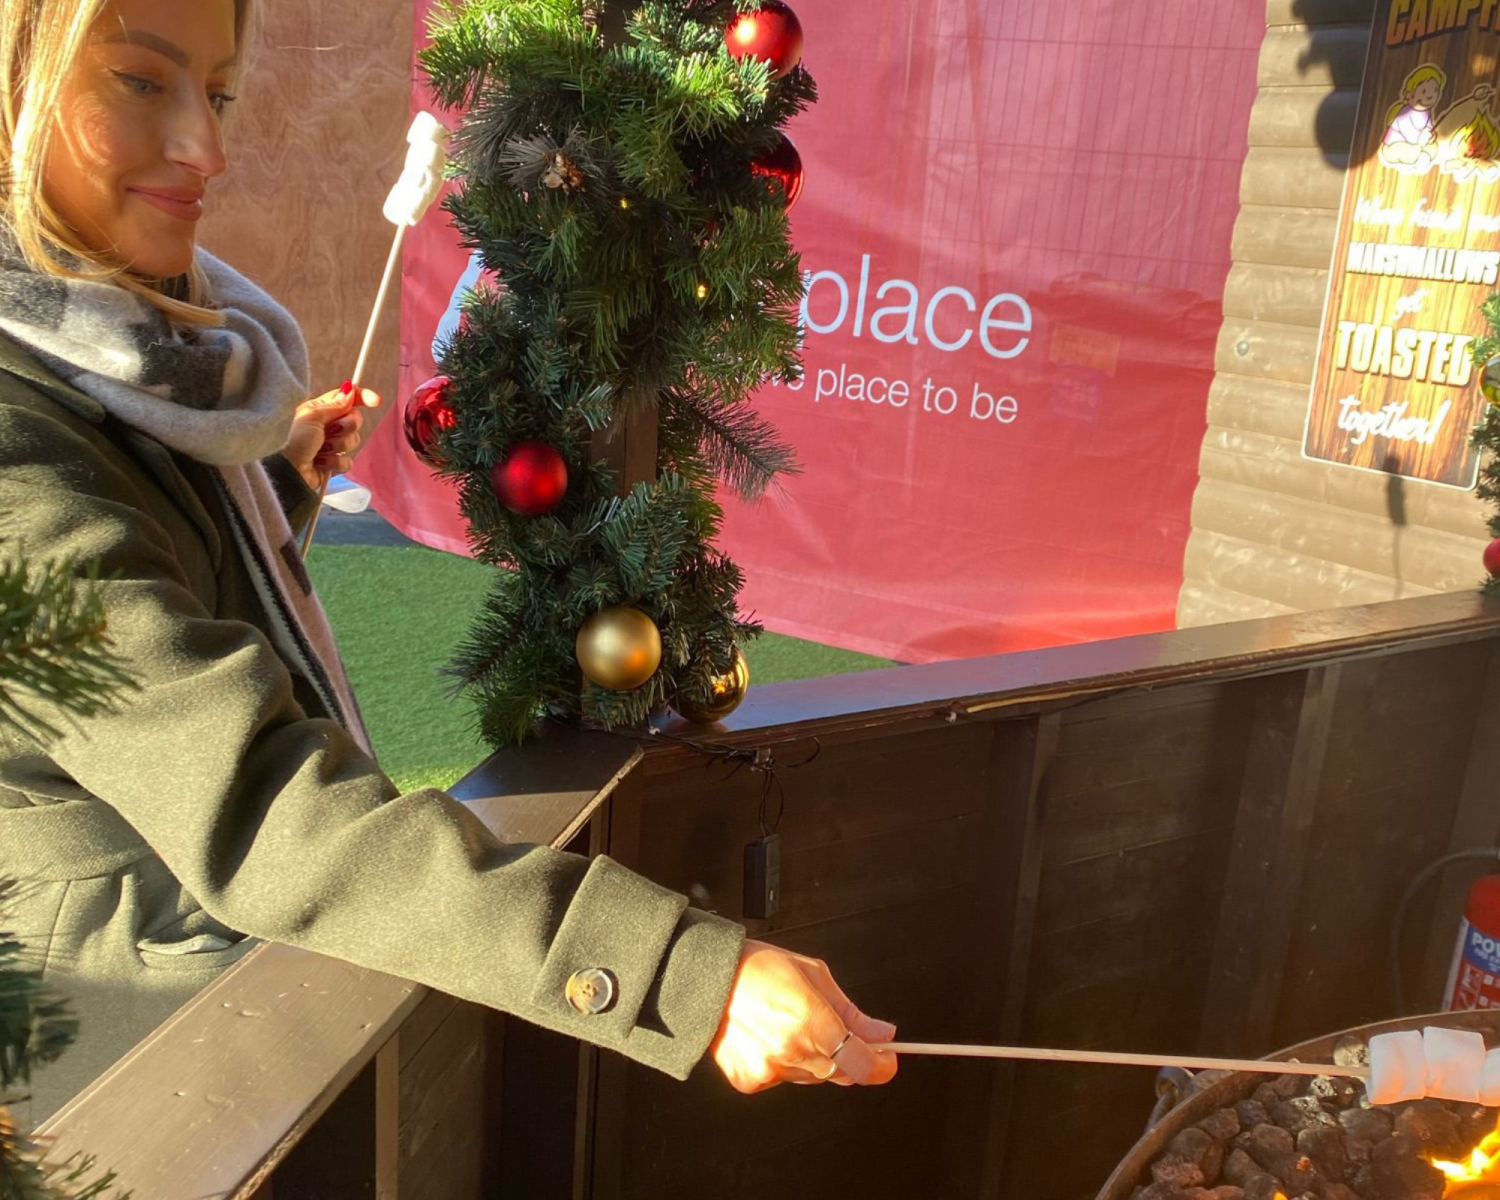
(848, 1037)
(831, 1072)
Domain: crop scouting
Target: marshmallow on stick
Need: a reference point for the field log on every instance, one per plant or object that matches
(421, 181)
(1398, 1068)
(1446, 1064)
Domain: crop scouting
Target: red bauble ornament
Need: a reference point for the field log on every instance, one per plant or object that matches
(771, 34)
(783, 164)
(428, 414)
(531, 480)
(1492, 557)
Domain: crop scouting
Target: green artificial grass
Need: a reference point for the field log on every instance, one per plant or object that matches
(399, 611)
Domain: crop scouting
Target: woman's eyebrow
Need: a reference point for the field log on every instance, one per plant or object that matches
(162, 46)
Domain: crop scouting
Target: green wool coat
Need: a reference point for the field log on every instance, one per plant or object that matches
(218, 804)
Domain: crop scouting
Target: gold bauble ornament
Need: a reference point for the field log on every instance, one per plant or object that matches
(619, 648)
(1489, 380)
(725, 693)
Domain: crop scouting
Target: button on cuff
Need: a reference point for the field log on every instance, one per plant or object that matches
(591, 991)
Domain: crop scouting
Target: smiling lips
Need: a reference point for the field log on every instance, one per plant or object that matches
(184, 203)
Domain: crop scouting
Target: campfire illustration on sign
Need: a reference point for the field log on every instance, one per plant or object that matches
(1469, 139)
(1464, 142)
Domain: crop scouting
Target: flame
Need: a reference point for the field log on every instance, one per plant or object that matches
(1480, 138)
(1482, 1167)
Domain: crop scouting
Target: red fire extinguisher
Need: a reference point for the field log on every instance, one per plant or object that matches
(1474, 979)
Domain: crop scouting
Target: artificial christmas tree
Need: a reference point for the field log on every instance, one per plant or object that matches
(53, 654)
(1486, 353)
(644, 286)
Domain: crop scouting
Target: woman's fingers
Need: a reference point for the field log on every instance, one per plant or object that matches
(783, 1025)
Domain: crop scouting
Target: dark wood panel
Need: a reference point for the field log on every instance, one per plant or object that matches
(1278, 797)
(1394, 773)
(1084, 1120)
(441, 1088)
(846, 791)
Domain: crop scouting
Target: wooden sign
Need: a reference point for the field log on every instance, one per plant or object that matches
(1418, 249)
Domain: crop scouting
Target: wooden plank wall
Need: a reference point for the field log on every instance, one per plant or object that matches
(1272, 532)
(316, 137)
(1204, 867)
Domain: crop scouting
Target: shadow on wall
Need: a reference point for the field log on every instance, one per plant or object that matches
(1338, 39)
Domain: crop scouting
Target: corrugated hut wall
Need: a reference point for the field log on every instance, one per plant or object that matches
(316, 137)
(1273, 532)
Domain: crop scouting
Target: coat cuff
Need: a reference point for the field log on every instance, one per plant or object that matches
(633, 969)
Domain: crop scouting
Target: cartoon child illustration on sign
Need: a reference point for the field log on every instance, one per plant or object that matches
(1410, 143)
(1464, 142)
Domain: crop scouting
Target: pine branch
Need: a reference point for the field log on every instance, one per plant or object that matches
(740, 446)
(54, 649)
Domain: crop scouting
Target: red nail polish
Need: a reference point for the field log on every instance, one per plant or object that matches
(347, 386)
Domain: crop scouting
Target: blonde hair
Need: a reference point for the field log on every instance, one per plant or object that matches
(1426, 73)
(40, 41)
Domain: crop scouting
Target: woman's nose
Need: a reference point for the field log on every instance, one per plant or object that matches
(197, 141)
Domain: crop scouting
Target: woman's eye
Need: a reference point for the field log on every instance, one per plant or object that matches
(220, 101)
(136, 85)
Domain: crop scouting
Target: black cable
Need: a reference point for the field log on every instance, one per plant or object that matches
(1416, 886)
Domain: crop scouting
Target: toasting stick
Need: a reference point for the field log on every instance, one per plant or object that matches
(421, 181)
(1111, 1058)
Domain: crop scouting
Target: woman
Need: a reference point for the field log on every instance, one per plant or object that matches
(233, 797)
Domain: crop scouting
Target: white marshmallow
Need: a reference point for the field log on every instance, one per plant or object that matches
(1489, 1080)
(1455, 1062)
(422, 176)
(1398, 1068)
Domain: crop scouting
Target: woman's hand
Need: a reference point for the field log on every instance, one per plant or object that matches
(787, 1021)
(326, 433)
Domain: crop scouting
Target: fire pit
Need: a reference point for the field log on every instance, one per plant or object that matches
(1247, 1136)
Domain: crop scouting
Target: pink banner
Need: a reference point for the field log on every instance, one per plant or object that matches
(1016, 229)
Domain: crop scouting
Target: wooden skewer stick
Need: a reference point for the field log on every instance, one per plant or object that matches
(392, 261)
(1037, 1054)
(421, 180)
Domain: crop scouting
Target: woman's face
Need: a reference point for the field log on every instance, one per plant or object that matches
(137, 136)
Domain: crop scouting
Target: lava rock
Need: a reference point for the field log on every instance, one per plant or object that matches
(1252, 1113)
(1265, 1095)
(1297, 1173)
(1435, 1125)
(1226, 1192)
(1303, 1112)
(1333, 1093)
(1202, 1151)
(1399, 1146)
(1240, 1168)
(1327, 1147)
(1351, 1051)
(1263, 1187)
(1287, 1086)
(1180, 1172)
(1367, 1124)
(1399, 1179)
(1266, 1143)
(1159, 1191)
(1222, 1126)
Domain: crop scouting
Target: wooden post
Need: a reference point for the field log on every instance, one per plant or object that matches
(1263, 878)
(629, 445)
(387, 1120)
(1021, 760)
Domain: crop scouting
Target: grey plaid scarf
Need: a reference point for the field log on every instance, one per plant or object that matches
(224, 396)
